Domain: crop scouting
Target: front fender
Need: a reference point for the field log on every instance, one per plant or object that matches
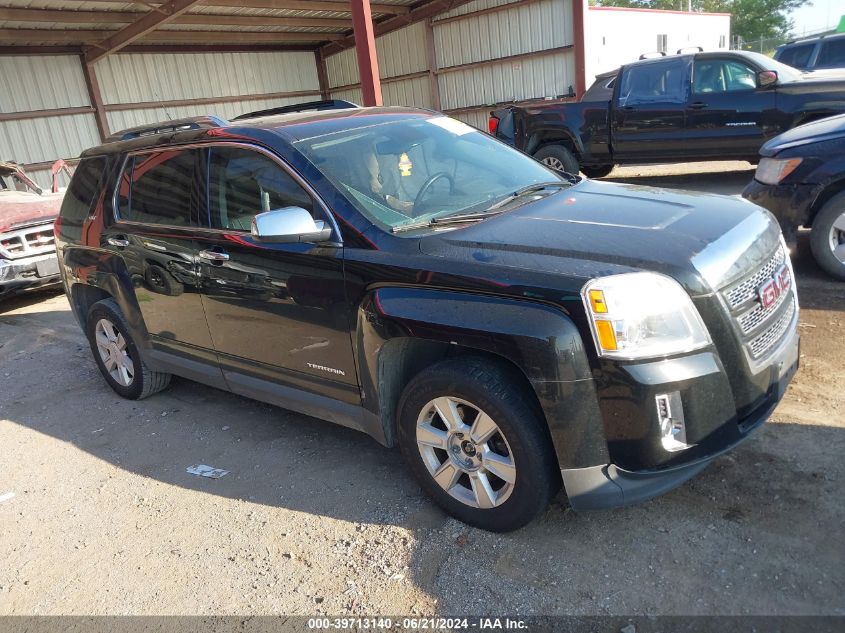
(539, 340)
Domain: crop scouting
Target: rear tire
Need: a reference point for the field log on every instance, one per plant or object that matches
(827, 238)
(480, 450)
(597, 171)
(558, 158)
(117, 354)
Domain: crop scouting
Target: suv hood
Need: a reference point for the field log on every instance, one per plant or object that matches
(597, 228)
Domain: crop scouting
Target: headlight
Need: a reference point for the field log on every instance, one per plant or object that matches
(771, 171)
(642, 315)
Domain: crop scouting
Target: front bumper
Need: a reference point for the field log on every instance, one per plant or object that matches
(608, 486)
(789, 203)
(28, 272)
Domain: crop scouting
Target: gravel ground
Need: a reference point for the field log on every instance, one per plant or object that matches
(313, 518)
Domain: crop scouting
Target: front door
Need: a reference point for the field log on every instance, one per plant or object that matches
(727, 113)
(648, 118)
(277, 312)
(154, 235)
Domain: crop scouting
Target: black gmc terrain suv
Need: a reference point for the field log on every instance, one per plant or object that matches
(393, 270)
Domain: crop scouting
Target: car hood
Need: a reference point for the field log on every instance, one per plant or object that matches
(22, 208)
(821, 130)
(598, 228)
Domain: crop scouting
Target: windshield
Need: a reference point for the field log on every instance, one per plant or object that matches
(406, 172)
(785, 73)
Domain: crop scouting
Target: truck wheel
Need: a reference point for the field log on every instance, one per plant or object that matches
(558, 157)
(476, 445)
(597, 171)
(117, 355)
(827, 239)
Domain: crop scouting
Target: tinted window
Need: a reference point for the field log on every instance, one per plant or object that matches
(796, 56)
(244, 183)
(83, 189)
(722, 75)
(832, 54)
(660, 82)
(156, 188)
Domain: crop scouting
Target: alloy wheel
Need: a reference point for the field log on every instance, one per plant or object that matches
(114, 353)
(466, 452)
(837, 238)
(554, 163)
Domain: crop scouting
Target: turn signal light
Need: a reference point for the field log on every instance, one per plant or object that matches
(606, 335)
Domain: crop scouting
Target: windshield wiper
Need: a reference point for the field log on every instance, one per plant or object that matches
(448, 219)
(529, 189)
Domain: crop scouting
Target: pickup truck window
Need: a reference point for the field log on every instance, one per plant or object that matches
(658, 82)
(722, 75)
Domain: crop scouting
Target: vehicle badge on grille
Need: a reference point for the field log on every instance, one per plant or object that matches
(775, 286)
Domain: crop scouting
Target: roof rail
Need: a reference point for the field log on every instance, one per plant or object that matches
(653, 54)
(683, 51)
(177, 125)
(328, 104)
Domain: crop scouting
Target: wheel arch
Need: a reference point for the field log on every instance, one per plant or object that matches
(830, 191)
(402, 331)
(542, 138)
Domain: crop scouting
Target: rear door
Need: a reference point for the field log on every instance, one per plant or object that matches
(727, 114)
(649, 107)
(277, 312)
(156, 202)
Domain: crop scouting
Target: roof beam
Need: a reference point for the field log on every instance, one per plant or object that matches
(23, 36)
(296, 5)
(139, 28)
(427, 10)
(126, 17)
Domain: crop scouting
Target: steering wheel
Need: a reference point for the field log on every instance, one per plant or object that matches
(423, 192)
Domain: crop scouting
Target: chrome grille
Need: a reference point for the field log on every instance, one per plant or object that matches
(750, 320)
(747, 288)
(761, 329)
(765, 341)
(33, 240)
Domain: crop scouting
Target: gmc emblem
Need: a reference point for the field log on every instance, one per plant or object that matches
(771, 291)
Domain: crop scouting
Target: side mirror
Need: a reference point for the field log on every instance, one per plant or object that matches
(767, 78)
(289, 224)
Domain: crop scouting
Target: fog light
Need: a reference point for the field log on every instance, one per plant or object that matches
(670, 417)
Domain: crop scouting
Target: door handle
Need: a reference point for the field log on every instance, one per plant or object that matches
(118, 240)
(698, 105)
(215, 256)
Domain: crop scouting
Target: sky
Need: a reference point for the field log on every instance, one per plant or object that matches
(822, 14)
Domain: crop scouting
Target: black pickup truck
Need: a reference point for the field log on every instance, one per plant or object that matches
(705, 106)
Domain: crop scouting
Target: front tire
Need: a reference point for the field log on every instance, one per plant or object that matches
(827, 238)
(476, 444)
(117, 354)
(558, 158)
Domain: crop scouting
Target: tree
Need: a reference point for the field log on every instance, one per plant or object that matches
(750, 19)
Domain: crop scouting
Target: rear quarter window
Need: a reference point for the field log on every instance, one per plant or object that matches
(80, 197)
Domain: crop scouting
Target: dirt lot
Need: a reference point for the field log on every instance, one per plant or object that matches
(314, 518)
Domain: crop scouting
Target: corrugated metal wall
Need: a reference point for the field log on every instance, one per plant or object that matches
(44, 83)
(58, 82)
(509, 54)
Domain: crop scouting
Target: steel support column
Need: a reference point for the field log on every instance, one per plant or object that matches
(365, 48)
(579, 11)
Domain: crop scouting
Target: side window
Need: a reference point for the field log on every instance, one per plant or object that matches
(832, 54)
(722, 75)
(796, 56)
(243, 183)
(656, 82)
(156, 188)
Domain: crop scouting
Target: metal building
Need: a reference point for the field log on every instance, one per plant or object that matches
(73, 71)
